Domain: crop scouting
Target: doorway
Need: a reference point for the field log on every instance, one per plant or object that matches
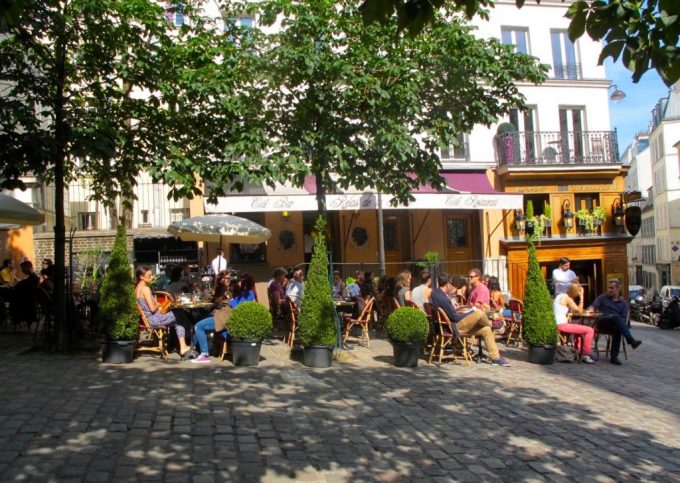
(459, 250)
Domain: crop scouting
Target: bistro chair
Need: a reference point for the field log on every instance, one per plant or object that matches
(428, 308)
(606, 328)
(362, 321)
(385, 306)
(150, 338)
(446, 339)
(164, 299)
(514, 323)
(289, 338)
(45, 315)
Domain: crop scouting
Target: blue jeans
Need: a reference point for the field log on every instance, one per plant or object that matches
(201, 330)
(622, 330)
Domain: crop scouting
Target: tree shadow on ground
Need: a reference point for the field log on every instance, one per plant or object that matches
(72, 417)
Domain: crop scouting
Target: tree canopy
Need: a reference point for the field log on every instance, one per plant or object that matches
(367, 106)
(643, 34)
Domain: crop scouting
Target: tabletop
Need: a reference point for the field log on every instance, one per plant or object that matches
(584, 317)
(193, 305)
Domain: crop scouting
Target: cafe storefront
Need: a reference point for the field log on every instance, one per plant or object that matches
(460, 223)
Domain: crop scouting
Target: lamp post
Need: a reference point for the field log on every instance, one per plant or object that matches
(567, 215)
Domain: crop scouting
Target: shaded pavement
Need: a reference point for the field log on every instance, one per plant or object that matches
(72, 418)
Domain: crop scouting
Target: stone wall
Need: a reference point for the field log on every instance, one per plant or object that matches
(82, 240)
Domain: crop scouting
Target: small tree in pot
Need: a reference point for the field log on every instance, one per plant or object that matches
(117, 313)
(407, 328)
(540, 329)
(248, 324)
(318, 331)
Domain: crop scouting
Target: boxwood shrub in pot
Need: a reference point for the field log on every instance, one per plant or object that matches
(117, 313)
(540, 329)
(248, 324)
(407, 328)
(318, 331)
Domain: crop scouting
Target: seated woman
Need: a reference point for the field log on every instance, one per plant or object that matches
(338, 286)
(497, 304)
(564, 303)
(148, 304)
(227, 296)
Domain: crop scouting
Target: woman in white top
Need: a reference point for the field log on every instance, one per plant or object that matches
(564, 303)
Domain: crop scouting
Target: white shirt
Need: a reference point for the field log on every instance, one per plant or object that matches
(219, 263)
(562, 279)
(560, 310)
(294, 290)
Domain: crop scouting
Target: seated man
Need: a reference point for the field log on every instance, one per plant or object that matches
(473, 322)
(615, 309)
(296, 287)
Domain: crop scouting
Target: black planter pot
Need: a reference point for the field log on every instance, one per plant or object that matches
(245, 352)
(118, 351)
(406, 354)
(542, 354)
(318, 356)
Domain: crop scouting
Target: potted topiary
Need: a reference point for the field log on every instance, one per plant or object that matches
(586, 220)
(599, 215)
(407, 328)
(318, 332)
(249, 323)
(430, 262)
(540, 329)
(117, 313)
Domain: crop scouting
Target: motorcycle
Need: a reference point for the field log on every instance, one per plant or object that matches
(670, 317)
(638, 308)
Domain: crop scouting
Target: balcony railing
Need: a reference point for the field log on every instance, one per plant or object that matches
(567, 71)
(556, 148)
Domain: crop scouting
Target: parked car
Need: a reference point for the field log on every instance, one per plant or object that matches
(636, 290)
(668, 291)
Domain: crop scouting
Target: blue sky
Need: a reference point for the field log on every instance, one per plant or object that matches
(634, 112)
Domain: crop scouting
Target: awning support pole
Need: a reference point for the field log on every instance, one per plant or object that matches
(381, 238)
(488, 238)
(420, 228)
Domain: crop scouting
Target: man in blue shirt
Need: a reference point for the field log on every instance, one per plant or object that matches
(473, 322)
(615, 311)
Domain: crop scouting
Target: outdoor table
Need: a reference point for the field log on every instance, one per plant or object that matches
(585, 318)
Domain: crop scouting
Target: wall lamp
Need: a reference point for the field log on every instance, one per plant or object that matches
(520, 220)
(617, 95)
(285, 214)
(567, 215)
(618, 214)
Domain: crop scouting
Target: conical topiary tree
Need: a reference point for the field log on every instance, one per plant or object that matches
(539, 320)
(117, 313)
(317, 316)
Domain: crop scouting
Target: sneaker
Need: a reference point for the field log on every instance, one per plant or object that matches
(501, 361)
(587, 360)
(203, 358)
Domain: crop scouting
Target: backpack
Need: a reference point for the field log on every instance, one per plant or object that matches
(565, 353)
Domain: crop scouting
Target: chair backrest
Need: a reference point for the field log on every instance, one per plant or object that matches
(516, 305)
(162, 296)
(44, 301)
(411, 303)
(144, 321)
(459, 299)
(292, 309)
(442, 321)
(368, 309)
(429, 309)
(605, 325)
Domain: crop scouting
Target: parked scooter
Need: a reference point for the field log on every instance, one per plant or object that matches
(651, 314)
(638, 308)
(670, 317)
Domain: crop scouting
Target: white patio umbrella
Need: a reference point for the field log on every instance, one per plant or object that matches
(220, 228)
(15, 212)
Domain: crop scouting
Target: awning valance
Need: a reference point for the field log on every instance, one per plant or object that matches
(462, 191)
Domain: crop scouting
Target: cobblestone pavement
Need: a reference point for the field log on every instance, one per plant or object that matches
(72, 418)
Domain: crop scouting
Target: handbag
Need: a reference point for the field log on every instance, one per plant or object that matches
(565, 353)
(221, 317)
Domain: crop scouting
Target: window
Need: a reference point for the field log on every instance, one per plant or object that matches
(572, 134)
(516, 36)
(145, 217)
(525, 123)
(457, 151)
(565, 65)
(87, 220)
(178, 214)
(587, 201)
(174, 12)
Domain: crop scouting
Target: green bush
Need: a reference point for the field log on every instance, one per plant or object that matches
(539, 320)
(407, 325)
(250, 321)
(317, 317)
(118, 314)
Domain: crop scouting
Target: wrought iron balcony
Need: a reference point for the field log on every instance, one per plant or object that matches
(567, 71)
(556, 148)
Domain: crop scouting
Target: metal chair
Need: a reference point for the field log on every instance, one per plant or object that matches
(289, 338)
(607, 328)
(446, 339)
